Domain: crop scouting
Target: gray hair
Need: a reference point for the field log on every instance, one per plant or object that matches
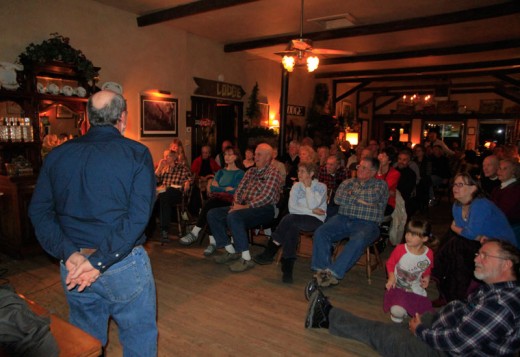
(108, 115)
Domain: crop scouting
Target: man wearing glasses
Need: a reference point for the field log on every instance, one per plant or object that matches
(362, 201)
(486, 325)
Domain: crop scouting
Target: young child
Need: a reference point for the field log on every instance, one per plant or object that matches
(409, 268)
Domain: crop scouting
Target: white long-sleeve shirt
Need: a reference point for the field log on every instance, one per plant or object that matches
(303, 200)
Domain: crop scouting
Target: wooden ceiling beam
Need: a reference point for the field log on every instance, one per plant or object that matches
(190, 9)
(480, 13)
(418, 71)
(439, 51)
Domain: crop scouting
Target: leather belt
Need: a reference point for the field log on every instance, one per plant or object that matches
(87, 251)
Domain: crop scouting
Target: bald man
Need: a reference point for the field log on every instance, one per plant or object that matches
(253, 205)
(489, 179)
(90, 207)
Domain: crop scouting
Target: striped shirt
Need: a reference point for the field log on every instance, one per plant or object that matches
(362, 200)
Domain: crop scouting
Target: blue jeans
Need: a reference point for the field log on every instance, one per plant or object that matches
(238, 222)
(360, 232)
(125, 292)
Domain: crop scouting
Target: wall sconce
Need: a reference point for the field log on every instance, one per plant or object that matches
(403, 138)
(353, 138)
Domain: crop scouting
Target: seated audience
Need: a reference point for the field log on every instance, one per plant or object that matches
(507, 195)
(278, 164)
(249, 160)
(307, 154)
(221, 193)
(425, 170)
(440, 168)
(307, 211)
(323, 153)
(474, 217)
(253, 205)
(176, 145)
(204, 168)
(373, 146)
(489, 179)
(291, 161)
(220, 157)
(486, 325)
(176, 178)
(354, 160)
(433, 140)
(362, 202)
(388, 174)
(332, 175)
(407, 181)
(49, 142)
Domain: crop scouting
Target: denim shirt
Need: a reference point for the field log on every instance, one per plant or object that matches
(96, 191)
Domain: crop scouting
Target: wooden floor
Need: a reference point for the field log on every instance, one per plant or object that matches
(204, 309)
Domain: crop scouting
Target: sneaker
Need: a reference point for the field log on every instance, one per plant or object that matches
(188, 239)
(210, 250)
(318, 312)
(310, 288)
(164, 237)
(325, 278)
(241, 265)
(226, 258)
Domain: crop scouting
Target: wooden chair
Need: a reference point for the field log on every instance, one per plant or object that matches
(183, 215)
(304, 236)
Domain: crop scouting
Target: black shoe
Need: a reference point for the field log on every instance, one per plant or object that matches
(310, 288)
(267, 256)
(287, 270)
(318, 313)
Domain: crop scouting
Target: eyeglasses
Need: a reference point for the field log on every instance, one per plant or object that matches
(461, 184)
(484, 256)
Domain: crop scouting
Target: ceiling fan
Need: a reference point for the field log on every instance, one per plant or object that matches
(300, 51)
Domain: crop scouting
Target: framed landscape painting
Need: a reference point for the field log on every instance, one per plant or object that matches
(159, 116)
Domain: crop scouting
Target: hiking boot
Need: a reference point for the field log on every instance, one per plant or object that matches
(188, 239)
(210, 250)
(287, 270)
(318, 312)
(241, 265)
(325, 278)
(226, 257)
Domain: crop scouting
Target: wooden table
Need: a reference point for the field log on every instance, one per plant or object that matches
(72, 341)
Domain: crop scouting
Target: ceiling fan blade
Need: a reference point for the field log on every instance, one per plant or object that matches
(326, 51)
(301, 44)
(286, 53)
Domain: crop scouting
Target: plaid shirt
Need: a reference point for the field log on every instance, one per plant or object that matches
(352, 191)
(176, 175)
(487, 325)
(331, 181)
(259, 187)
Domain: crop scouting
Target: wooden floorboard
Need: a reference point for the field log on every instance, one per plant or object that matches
(205, 310)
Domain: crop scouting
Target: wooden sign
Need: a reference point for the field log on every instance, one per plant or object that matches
(296, 110)
(218, 89)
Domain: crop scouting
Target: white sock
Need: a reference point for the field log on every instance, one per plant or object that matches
(212, 240)
(268, 232)
(246, 255)
(230, 249)
(195, 231)
(397, 313)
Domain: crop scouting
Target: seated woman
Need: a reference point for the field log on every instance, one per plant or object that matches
(249, 161)
(307, 211)
(221, 193)
(474, 218)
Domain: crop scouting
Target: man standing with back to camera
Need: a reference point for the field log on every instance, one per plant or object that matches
(90, 207)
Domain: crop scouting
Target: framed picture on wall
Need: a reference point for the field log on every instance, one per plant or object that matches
(159, 116)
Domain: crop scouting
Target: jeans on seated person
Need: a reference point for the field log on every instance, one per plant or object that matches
(167, 201)
(125, 292)
(238, 222)
(361, 233)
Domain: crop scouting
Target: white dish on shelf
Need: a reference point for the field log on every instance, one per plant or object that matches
(67, 91)
(80, 92)
(53, 89)
(40, 88)
(113, 86)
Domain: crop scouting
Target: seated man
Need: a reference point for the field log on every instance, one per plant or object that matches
(254, 204)
(486, 325)
(332, 174)
(407, 181)
(204, 168)
(175, 178)
(507, 195)
(489, 179)
(362, 201)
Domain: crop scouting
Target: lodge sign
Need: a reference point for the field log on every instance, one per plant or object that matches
(218, 89)
(296, 110)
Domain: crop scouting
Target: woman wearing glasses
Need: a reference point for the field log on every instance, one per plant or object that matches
(474, 218)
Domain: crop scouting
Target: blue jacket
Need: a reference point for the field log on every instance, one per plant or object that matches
(96, 191)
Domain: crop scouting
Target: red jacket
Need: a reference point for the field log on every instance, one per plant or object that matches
(197, 164)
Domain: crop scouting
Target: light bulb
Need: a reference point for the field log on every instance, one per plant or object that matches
(288, 63)
(312, 63)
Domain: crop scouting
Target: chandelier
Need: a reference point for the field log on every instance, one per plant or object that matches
(289, 62)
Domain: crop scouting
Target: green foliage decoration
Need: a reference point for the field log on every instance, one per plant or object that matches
(253, 109)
